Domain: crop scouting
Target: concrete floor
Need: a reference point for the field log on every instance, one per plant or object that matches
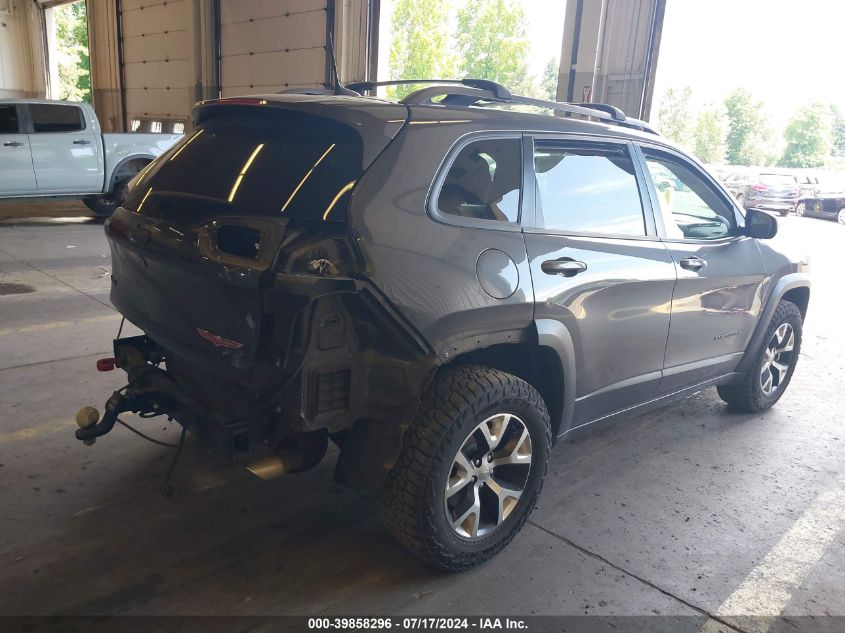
(693, 510)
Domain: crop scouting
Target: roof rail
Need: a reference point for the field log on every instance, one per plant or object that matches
(498, 90)
(470, 92)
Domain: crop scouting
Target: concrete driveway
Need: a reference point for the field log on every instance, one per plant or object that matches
(690, 511)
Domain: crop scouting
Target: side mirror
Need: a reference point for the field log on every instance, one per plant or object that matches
(760, 224)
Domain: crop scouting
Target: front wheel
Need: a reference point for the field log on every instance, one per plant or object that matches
(471, 467)
(800, 209)
(774, 363)
(840, 217)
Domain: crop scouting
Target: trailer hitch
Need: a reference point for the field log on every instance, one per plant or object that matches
(91, 426)
(150, 392)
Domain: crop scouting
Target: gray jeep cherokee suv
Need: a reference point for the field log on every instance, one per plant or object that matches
(441, 287)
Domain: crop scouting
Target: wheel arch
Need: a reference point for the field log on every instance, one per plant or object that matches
(144, 159)
(794, 287)
(545, 360)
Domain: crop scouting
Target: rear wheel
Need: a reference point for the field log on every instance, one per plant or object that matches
(774, 363)
(840, 217)
(784, 213)
(471, 467)
(103, 206)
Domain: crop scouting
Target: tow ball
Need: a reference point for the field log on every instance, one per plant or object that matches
(90, 425)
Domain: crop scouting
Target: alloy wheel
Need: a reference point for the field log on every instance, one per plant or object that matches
(777, 357)
(800, 209)
(488, 476)
(840, 217)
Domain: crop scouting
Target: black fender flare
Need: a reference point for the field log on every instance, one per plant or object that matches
(782, 286)
(554, 335)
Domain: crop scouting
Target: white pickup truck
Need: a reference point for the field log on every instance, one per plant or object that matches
(55, 149)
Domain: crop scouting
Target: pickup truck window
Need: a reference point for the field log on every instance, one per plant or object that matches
(9, 120)
(49, 117)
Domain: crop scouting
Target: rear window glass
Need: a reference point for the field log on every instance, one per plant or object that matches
(777, 179)
(55, 118)
(244, 162)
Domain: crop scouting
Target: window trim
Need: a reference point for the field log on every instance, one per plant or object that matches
(649, 226)
(431, 206)
(702, 173)
(30, 123)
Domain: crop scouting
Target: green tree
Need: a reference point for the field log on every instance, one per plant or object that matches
(807, 137)
(492, 43)
(420, 48)
(550, 79)
(709, 135)
(674, 116)
(748, 135)
(72, 51)
(838, 128)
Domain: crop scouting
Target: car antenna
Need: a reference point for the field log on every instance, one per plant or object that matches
(338, 88)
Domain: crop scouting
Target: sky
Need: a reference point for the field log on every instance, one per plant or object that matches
(785, 53)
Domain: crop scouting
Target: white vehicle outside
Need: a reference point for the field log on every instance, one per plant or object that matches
(56, 148)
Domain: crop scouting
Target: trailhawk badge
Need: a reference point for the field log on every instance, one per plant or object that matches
(219, 341)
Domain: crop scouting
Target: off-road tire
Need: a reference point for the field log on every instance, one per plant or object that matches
(748, 395)
(458, 399)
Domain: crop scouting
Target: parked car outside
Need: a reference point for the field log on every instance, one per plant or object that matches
(824, 204)
(808, 183)
(52, 149)
(767, 190)
(441, 291)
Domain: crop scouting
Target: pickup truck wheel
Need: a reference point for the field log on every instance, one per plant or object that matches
(471, 467)
(104, 206)
(773, 366)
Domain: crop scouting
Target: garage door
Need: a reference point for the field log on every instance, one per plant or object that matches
(158, 69)
(272, 45)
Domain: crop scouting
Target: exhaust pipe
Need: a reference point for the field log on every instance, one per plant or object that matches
(296, 454)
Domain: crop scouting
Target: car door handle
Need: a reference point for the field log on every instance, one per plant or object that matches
(693, 263)
(81, 142)
(12, 144)
(564, 266)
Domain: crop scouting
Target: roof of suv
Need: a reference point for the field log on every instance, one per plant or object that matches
(484, 116)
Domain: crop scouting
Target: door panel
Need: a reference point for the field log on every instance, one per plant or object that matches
(714, 310)
(617, 311)
(598, 268)
(16, 173)
(719, 292)
(65, 152)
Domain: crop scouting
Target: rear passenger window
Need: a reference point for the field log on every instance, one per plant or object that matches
(48, 117)
(484, 180)
(587, 189)
(9, 120)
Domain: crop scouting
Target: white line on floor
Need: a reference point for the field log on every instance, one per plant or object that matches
(766, 591)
